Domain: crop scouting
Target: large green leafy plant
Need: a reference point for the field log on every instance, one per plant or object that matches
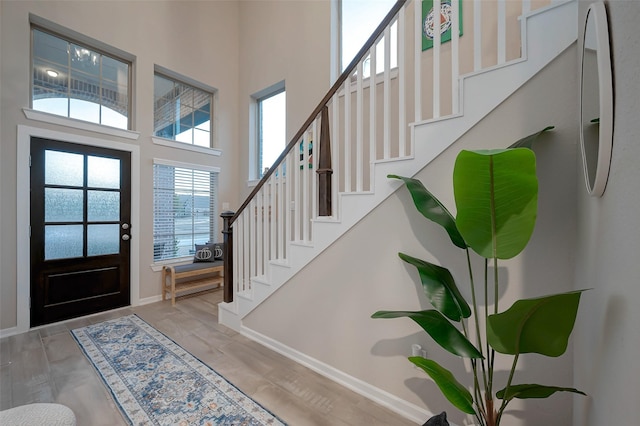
(496, 195)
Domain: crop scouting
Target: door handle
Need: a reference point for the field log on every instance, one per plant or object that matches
(125, 226)
(126, 237)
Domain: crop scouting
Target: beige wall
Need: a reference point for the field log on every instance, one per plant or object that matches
(2, 227)
(326, 315)
(196, 39)
(282, 40)
(607, 340)
(203, 40)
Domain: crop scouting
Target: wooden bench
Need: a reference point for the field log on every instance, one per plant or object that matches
(191, 276)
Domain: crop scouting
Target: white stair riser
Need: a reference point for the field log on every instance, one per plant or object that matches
(549, 32)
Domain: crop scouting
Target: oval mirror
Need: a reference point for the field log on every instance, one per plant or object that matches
(596, 100)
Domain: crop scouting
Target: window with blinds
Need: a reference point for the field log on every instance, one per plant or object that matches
(184, 209)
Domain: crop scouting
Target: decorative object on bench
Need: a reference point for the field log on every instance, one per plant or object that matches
(206, 270)
(209, 252)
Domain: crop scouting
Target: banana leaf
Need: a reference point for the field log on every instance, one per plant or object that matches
(496, 194)
(455, 393)
(527, 391)
(527, 141)
(431, 208)
(540, 325)
(440, 330)
(440, 288)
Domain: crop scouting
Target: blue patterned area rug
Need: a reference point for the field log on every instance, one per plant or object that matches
(154, 381)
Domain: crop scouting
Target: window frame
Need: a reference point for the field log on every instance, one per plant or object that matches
(256, 168)
(74, 37)
(338, 66)
(214, 228)
(211, 91)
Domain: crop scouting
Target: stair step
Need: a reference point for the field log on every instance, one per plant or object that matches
(549, 32)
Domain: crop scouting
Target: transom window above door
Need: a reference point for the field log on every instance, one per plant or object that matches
(74, 79)
(182, 110)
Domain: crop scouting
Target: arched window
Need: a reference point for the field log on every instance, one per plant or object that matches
(75, 80)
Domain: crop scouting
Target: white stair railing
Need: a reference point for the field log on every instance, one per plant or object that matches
(370, 109)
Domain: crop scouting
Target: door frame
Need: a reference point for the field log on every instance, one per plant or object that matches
(23, 286)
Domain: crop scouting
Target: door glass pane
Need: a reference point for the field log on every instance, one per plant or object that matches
(103, 239)
(103, 206)
(103, 172)
(63, 168)
(62, 241)
(62, 205)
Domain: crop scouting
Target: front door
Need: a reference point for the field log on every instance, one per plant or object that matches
(80, 230)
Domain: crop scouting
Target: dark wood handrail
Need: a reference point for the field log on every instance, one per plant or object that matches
(336, 86)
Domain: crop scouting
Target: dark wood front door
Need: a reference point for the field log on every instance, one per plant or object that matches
(80, 230)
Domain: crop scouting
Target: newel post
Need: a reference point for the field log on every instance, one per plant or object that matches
(227, 234)
(324, 166)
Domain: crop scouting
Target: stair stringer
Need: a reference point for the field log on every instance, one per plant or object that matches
(546, 34)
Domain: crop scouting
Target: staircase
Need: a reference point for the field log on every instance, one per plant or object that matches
(416, 111)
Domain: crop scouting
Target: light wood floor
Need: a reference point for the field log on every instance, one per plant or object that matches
(46, 365)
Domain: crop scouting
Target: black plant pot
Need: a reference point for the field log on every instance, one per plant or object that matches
(439, 420)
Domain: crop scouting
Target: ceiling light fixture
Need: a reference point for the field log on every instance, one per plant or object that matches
(52, 73)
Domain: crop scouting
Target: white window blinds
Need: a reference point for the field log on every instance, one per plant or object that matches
(184, 210)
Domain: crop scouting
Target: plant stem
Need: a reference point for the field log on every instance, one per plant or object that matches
(480, 418)
(476, 385)
(481, 408)
(491, 413)
(473, 297)
(506, 399)
(487, 386)
(495, 285)
(492, 356)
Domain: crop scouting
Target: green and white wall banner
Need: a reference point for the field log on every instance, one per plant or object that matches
(429, 18)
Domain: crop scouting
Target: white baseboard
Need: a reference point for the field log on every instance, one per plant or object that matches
(147, 300)
(384, 398)
(6, 332)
